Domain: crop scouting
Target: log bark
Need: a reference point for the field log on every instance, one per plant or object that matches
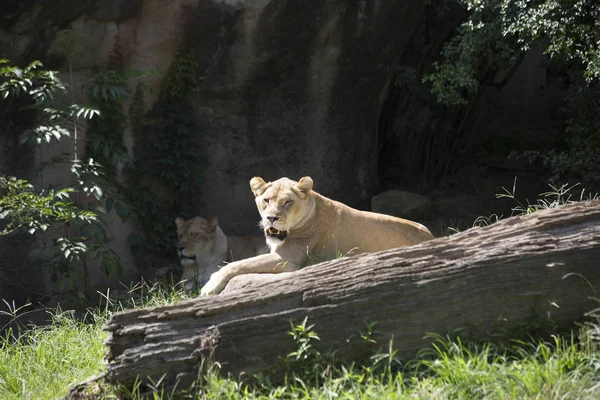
(505, 274)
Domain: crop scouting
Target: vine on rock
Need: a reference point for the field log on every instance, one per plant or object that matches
(165, 180)
(105, 142)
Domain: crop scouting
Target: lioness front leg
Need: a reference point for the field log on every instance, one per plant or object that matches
(266, 264)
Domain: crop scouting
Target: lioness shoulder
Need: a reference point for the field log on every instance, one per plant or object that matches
(302, 226)
(202, 248)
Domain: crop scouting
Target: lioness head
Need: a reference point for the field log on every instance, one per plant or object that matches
(283, 205)
(194, 237)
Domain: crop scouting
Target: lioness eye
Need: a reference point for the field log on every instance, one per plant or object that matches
(288, 202)
(266, 201)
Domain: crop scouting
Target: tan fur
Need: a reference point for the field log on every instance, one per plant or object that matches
(203, 248)
(318, 229)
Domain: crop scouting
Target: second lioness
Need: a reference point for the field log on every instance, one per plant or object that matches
(302, 226)
(203, 247)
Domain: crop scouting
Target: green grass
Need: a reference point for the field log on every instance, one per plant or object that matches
(564, 368)
(556, 196)
(45, 361)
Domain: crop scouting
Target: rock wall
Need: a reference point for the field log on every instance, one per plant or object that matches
(282, 98)
(286, 88)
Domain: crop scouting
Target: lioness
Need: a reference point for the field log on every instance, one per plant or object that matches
(203, 247)
(301, 225)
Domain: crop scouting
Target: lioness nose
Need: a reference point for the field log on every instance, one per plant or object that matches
(272, 219)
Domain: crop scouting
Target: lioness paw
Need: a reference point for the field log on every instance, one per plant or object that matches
(213, 286)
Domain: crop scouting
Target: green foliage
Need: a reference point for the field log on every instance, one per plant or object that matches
(67, 234)
(485, 51)
(105, 137)
(180, 80)
(35, 83)
(44, 93)
(73, 47)
(166, 178)
(107, 90)
(105, 134)
(53, 123)
(303, 336)
(497, 31)
(136, 114)
(578, 156)
(479, 45)
(570, 28)
(77, 232)
(96, 175)
(22, 208)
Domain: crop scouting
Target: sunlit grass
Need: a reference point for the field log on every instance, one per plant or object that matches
(562, 368)
(44, 362)
(556, 196)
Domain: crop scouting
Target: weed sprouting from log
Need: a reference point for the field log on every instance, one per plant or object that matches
(555, 196)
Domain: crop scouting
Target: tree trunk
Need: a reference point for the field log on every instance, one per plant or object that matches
(500, 276)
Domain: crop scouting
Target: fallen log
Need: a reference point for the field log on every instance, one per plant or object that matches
(507, 273)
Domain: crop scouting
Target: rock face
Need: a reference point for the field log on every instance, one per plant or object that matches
(286, 88)
(398, 203)
(293, 99)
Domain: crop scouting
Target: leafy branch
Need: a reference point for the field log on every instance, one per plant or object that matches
(496, 32)
(22, 208)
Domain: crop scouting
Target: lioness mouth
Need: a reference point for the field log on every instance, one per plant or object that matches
(274, 233)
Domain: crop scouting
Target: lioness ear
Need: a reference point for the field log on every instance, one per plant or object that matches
(258, 185)
(305, 184)
(179, 221)
(211, 224)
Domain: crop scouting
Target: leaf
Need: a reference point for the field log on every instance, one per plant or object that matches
(110, 202)
(121, 210)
